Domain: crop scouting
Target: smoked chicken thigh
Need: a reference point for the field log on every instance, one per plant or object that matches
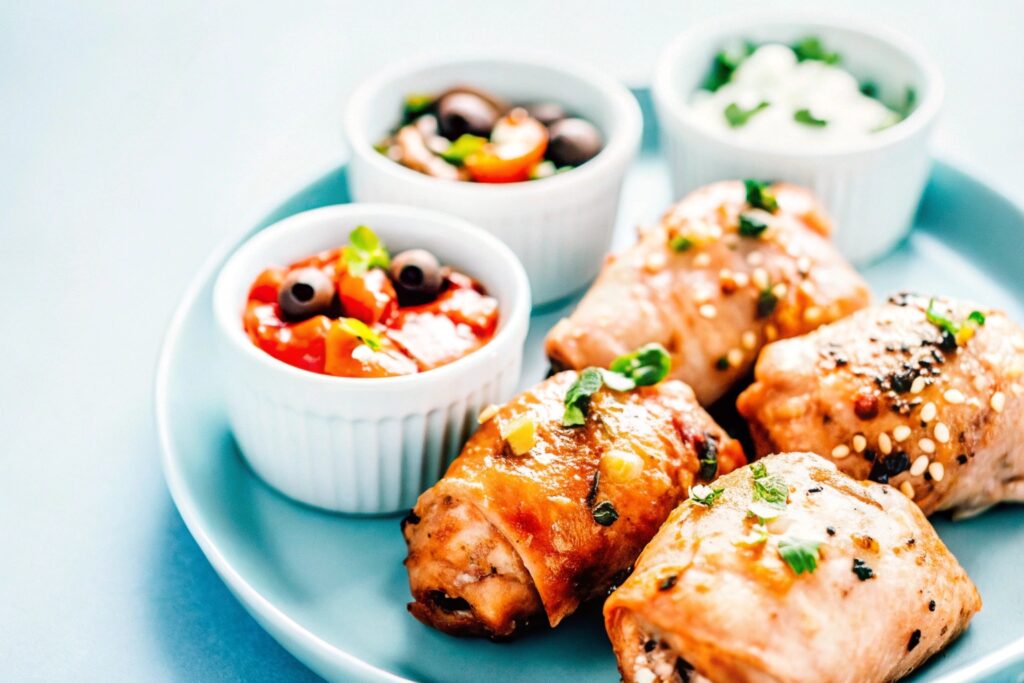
(892, 397)
(710, 295)
(506, 539)
(711, 599)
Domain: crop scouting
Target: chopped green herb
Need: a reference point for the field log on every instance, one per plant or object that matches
(759, 196)
(805, 117)
(416, 104)
(751, 225)
(680, 243)
(605, 513)
(382, 147)
(357, 328)
(737, 116)
(463, 147)
(800, 554)
(667, 583)
(939, 320)
(577, 398)
(617, 381)
(770, 493)
(810, 48)
(766, 302)
(725, 63)
(722, 363)
(960, 333)
(365, 251)
(646, 366)
(869, 89)
(862, 570)
(705, 495)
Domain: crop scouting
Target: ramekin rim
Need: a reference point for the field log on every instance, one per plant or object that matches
(673, 103)
(509, 336)
(621, 143)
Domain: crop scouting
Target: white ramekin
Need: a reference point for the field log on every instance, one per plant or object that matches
(364, 445)
(560, 227)
(871, 188)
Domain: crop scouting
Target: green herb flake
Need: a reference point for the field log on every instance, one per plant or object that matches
(416, 104)
(939, 320)
(725, 64)
(977, 317)
(766, 302)
(862, 570)
(646, 366)
(770, 493)
(680, 243)
(577, 398)
(811, 49)
(365, 251)
(705, 495)
(869, 89)
(736, 116)
(759, 196)
(752, 225)
(605, 513)
(357, 328)
(463, 147)
(800, 554)
(805, 117)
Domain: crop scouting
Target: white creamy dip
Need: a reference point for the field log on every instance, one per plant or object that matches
(811, 90)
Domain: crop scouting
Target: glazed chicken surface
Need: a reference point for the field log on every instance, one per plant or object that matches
(891, 396)
(713, 597)
(712, 283)
(506, 539)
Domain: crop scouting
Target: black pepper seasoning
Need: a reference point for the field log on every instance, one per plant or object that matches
(915, 638)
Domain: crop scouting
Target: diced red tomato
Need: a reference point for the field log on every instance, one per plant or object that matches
(517, 144)
(370, 297)
(413, 338)
(267, 285)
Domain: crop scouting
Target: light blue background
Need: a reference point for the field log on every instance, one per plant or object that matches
(133, 139)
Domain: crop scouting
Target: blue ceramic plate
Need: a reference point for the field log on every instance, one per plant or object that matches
(332, 589)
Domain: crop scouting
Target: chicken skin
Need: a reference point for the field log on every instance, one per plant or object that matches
(712, 283)
(930, 402)
(526, 528)
(847, 583)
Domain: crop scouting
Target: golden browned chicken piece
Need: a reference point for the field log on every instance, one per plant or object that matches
(933, 407)
(534, 517)
(712, 283)
(847, 583)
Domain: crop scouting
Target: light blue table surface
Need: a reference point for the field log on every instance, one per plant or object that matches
(134, 137)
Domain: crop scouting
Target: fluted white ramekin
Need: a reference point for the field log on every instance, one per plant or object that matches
(870, 188)
(364, 445)
(560, 227)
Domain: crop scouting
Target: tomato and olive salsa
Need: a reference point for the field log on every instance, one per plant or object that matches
(468, 134)
(356, 312)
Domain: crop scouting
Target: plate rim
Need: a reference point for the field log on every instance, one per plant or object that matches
(315, 651)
